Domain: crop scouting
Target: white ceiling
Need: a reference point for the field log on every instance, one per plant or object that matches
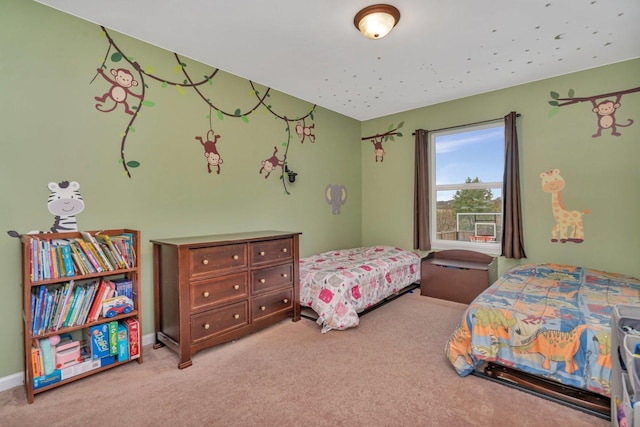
(440, 50)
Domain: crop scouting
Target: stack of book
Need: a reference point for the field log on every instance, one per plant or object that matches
(64, 305)
(53, 259)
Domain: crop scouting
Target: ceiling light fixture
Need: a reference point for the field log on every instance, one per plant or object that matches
(376, 21)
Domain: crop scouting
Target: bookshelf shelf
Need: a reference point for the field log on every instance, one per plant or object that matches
(55, 283)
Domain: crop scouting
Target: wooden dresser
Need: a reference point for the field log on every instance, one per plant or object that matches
(213, 289)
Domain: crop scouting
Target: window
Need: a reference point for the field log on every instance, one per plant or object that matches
(466, 173)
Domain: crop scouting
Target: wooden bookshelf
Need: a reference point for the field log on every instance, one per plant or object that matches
(122, 264)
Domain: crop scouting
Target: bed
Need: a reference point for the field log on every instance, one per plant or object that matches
(547, 321)
(338, 285)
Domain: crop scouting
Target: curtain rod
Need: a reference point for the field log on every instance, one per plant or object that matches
(468, 124)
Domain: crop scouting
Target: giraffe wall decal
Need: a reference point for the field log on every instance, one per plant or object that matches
(553, 183)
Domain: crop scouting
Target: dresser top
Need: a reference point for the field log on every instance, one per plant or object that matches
(223, 238)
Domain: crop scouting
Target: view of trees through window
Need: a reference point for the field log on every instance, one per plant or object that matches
(468, 184)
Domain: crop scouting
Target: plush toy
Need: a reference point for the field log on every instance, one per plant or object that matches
(48, 348)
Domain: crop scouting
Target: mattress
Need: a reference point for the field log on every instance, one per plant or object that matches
(338, 285)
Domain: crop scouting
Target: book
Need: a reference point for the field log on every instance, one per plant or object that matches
(90, 296)
(67, 260)
(123, 342)
(89, 254)
(77, 249)
(73, 308)
(93, 244)
(66, 304)
(124, 287)
(96, 304)
(113, 337)
(105, 239)
(46, 316)
(38, 310)
(78, 264)
(133, 327)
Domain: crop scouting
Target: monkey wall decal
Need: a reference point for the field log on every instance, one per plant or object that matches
(271, 163)
(377, 148)
(379, 138)
(210, 151)
(121, 85)
(304, 131)
(606, 110)
(604, 106)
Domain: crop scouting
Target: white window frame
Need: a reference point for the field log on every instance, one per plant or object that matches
(491, 248)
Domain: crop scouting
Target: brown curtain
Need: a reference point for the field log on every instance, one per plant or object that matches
(421, 239)
(512, 237)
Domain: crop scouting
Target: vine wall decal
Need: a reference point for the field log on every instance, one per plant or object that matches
(127, 85)
(378, 139)
(602, 105)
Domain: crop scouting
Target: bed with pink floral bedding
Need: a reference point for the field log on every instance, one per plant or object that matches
(338, 285)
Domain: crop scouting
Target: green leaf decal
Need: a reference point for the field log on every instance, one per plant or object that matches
(220, 115)
(150, 70)
(399, 134)
(311, 115)
(164, 84)
(553, 112)
(245, 119)
(132, 129)
(116, 57)
(554, 103)
(148, 103)
(571, 93)
(400, 125)
(237, 112)
(210, 82)
(390, 126)
(284, 144)
(180, 89)
(555, 95)
(133, 164)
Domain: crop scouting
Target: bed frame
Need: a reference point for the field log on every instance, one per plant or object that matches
(583, 400)
(308, 313)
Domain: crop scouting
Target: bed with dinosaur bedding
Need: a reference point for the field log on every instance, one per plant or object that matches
(338, 285)
(546, 321)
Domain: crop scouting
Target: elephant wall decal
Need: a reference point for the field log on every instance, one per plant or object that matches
(336, 196)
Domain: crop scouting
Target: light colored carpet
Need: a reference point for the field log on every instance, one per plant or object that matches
(389, 371)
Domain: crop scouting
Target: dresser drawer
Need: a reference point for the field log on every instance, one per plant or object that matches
(218, 291)
(271, 251)
(217, 260)
(271, 303)
(218, 321)
(269, 278)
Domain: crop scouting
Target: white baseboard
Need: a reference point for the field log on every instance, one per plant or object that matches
(17, 379)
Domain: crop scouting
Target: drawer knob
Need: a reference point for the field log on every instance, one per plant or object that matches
(207, 326)
(206, 294)
(285, 275)
(262, 280)
(236, 287)
(284, 250)
(236, 316)
(263, 308)
(205, 261)
(286, 301)
(261, 253)
(236, 257)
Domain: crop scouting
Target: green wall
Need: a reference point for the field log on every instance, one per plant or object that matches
(51, 131)
(602, 174)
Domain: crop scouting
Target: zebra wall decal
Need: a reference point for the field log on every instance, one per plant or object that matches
(65, 202)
